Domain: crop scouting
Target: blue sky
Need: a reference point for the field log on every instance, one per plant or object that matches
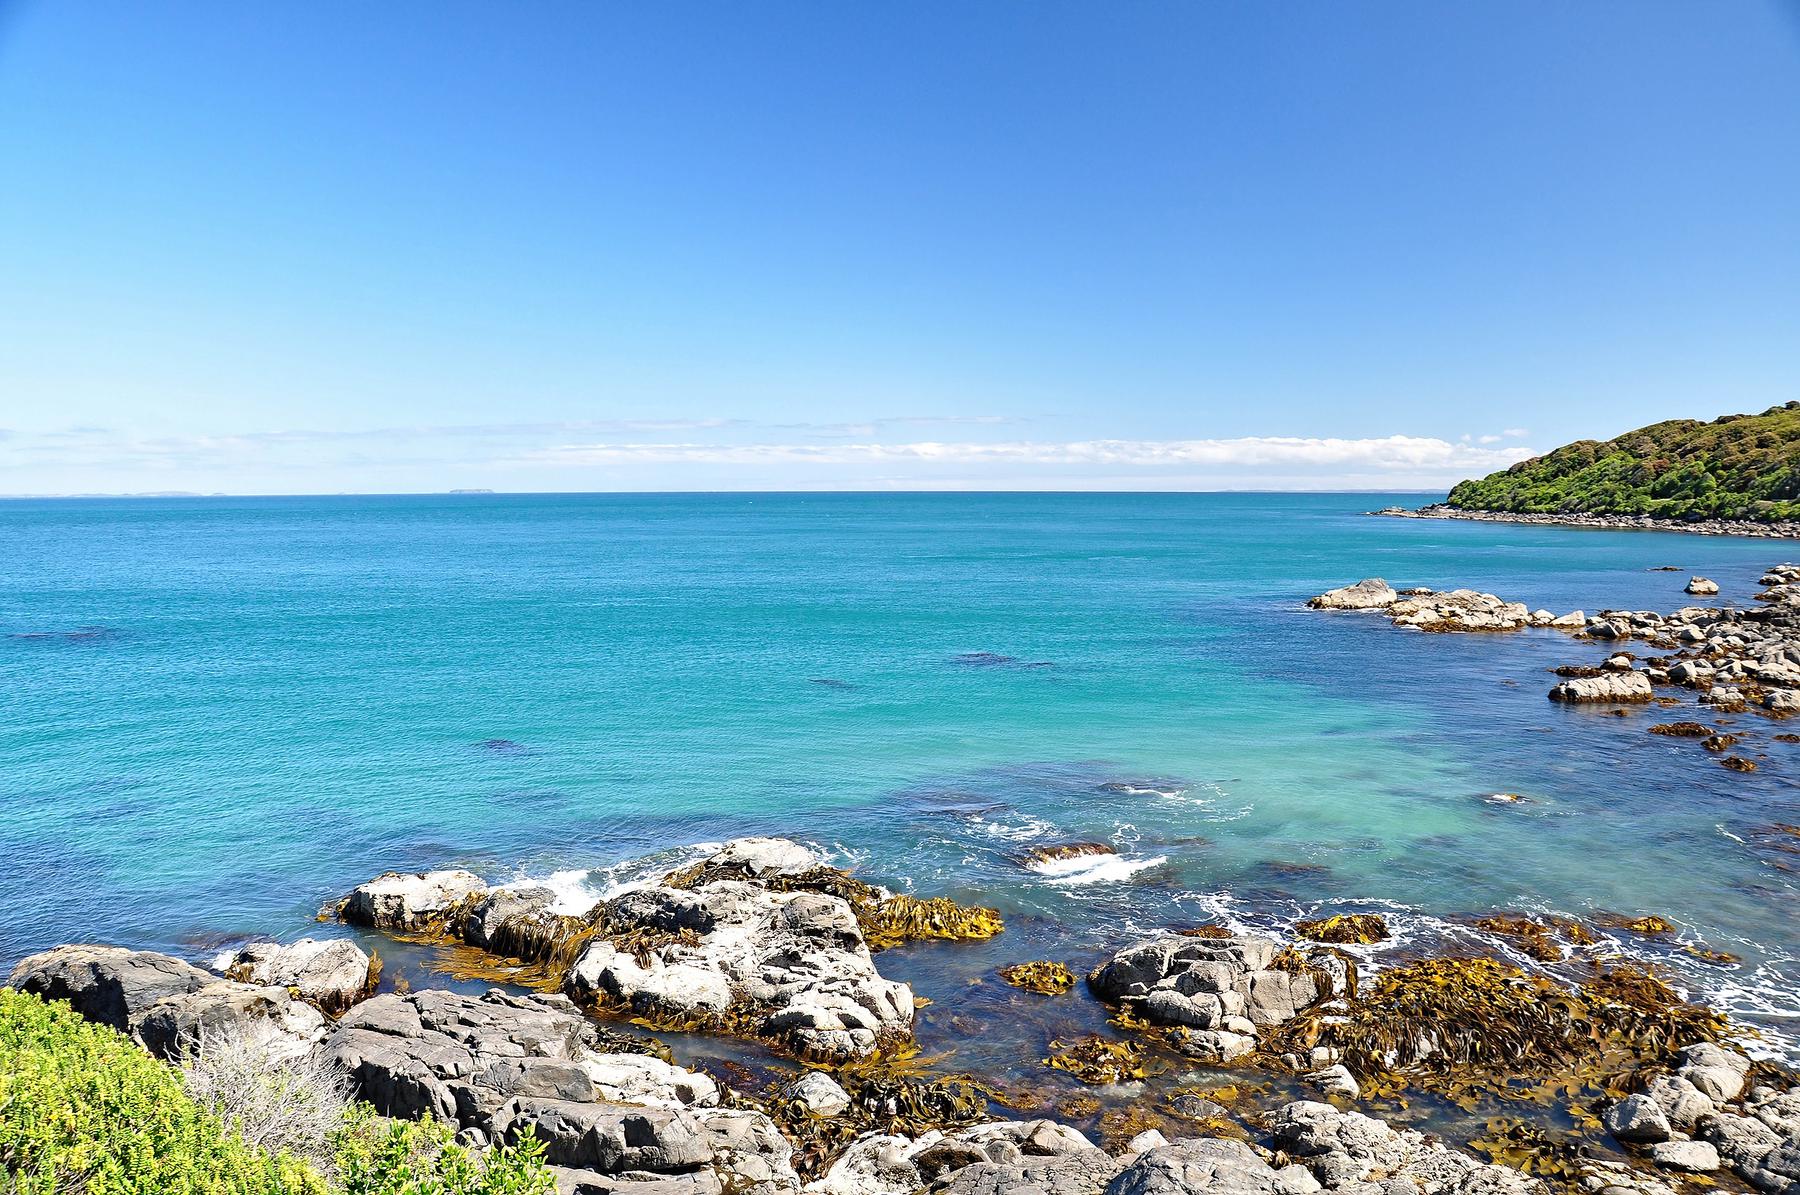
(322, 247)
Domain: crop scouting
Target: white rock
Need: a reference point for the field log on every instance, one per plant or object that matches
(1371, 593)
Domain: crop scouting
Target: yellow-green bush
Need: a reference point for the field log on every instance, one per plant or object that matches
(82, 1107)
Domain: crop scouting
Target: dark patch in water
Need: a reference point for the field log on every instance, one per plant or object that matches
(830, 682)
(212, 941)
(1285, 869)
(990, 659)
(503, 747)
(77, 635)
(531, 798)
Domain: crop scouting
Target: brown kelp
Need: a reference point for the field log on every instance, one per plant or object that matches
(1045, 978)
(1358, 929)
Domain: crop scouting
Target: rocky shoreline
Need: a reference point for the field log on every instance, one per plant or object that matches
(1603, 522)
(1735, 660)
(765, 941)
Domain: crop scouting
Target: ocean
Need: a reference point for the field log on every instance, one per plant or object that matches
(218, 714)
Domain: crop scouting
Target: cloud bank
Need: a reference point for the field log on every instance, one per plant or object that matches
(677, 454)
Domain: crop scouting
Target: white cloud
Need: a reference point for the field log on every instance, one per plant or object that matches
(1383, 453)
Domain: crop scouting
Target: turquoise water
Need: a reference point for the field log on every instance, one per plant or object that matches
(216, 714)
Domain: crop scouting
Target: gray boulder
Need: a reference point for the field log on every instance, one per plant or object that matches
(1609, 687)
(795, 962)
(1206, 1166)
(1637, 1120)
(266, 1016)
(1217, 991)
(1716, 1072)
(331, 973)
(1695, 1156)
(1370, 594)
(108, 984)
(406, 901)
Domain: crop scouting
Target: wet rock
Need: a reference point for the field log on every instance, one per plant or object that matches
(1716, 1072)
(1370, 594)
(1335, 1080)
(409, 901)
(1637, 1120)
(1695, 1156)
(331, 973)
(1216, 1046)
(820, 1094)
(1217, 991)
(1344, 1149)
(1056, 856)
(1702, 587)
(497, 908)
(1681, 1102)
(1612, 687)
(1205, 1166)
(107, 984)
(789, 966)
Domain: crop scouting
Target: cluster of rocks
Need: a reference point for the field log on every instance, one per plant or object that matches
(744, 952)
(1217, 993)
(1733, 658)
(1746, 527)
(169, 1004)
(1313, 1147)
(1700, 1119)
(1430, 610)
(617, 1119)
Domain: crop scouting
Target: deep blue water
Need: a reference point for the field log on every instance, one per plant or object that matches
(215, 714)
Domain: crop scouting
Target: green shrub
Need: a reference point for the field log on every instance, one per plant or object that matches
(419, 1157)
(83, 1108)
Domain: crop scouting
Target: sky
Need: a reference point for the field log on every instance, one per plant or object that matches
(408, 247)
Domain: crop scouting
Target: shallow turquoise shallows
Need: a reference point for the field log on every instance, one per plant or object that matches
(215, 714)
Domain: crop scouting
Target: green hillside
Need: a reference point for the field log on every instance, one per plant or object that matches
(1736, 467)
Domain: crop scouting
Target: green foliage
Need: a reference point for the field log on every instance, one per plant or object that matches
(419, 1157)
(82, 1108)
(1736, 467)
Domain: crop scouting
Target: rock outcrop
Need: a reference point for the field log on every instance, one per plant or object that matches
(168, 1004)
(1218, 990)
(497, 1064)
(761, 939)
(331, 973)
(1371, 593)
(407, 902)
(1609, 687)
(787, 966)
